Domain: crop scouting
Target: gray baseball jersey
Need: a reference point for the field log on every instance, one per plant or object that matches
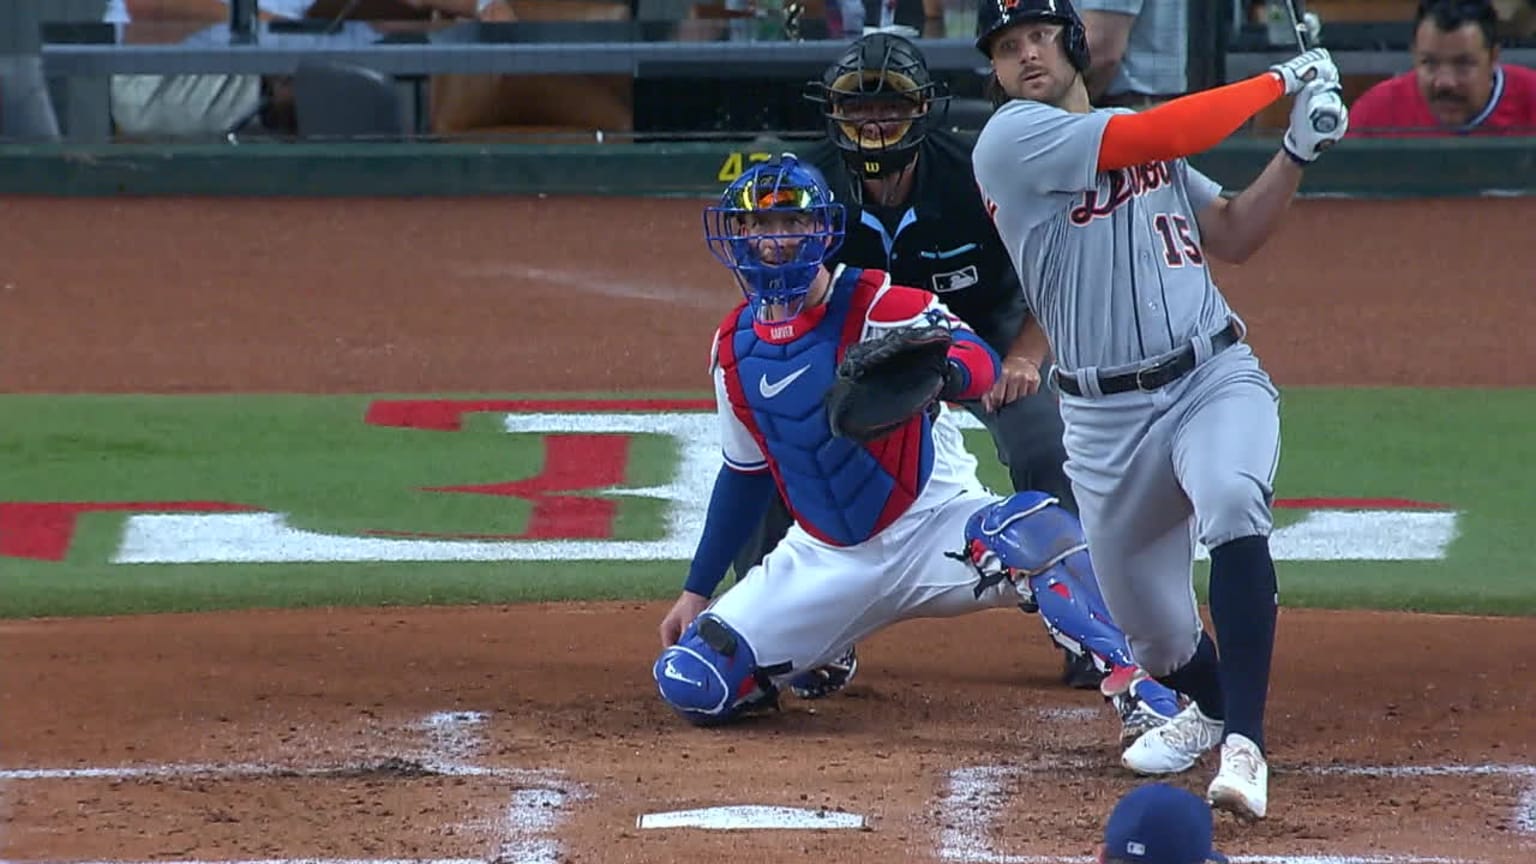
(1110, 262)
(1112, 266)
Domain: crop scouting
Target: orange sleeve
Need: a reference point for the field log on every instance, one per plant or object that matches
(1187, 125)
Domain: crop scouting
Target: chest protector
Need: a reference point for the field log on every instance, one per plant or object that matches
(840, 491)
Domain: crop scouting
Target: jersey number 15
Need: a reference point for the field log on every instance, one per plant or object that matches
(1179, 244)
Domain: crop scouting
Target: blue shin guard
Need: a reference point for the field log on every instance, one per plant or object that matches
(710, 676)
(1040, 547)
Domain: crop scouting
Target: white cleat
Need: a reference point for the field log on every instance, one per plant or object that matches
(1241, 786)
(1174, 746)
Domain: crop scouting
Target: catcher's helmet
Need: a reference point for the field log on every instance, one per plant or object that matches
(740, 231)
(878, 99)
(995, 15)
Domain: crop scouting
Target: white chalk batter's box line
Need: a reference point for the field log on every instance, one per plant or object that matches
(525, 827)
(975, 798)
(1011, 859)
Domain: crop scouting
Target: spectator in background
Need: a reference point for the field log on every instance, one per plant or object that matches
(1457, 85)
(204, 105)
(489, 106)
(1159, 824)
(481, 10)
(1138, 51)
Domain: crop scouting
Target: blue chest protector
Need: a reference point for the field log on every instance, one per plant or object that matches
(838, 489)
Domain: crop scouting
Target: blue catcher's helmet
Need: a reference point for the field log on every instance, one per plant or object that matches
(774, 226)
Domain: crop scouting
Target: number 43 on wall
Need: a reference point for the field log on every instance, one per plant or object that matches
(735, 163)
(1179, 246)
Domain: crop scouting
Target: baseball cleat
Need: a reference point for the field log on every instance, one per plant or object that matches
(1174, 746)
(1142, 703)
(823, 681)
(1137, 718)
(1241, 786)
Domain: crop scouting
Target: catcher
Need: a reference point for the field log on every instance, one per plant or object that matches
(830, 388)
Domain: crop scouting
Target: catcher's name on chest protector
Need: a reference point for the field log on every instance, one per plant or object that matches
(838, 489)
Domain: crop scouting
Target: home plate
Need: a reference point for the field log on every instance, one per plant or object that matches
(751, 817)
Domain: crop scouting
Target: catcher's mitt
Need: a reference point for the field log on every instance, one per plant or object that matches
(882, 383)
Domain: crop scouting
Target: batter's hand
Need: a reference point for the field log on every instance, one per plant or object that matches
(1319, 119)
(687, 608)
(1018, 378)
(1303, 69)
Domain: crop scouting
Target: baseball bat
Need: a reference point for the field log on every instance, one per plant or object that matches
(1304, 42)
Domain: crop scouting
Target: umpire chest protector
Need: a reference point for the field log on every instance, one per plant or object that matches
(940, 240)
(840, 491)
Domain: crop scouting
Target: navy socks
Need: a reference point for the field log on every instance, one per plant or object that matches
(1243, 608)
(1200, 679)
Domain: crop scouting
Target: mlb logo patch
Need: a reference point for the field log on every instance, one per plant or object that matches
(1135, 849)
(955, 280)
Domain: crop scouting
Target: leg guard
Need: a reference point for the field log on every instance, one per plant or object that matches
(1033, 540)
(710, 676)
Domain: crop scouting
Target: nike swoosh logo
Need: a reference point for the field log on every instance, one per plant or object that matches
(770, 390)
(671, 672)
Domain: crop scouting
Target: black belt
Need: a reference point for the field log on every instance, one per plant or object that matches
(1152, 377)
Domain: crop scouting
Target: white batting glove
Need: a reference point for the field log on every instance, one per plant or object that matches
(1303, 69)
(1319, 119)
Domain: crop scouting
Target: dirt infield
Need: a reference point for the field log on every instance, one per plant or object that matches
(532, 734)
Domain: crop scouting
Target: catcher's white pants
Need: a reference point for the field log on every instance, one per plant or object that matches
(808, 601)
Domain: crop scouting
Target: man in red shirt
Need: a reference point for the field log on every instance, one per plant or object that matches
(1456, 87)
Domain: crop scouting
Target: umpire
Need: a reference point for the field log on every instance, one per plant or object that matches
(914, 210)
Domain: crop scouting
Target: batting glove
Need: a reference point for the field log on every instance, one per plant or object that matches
(1303, 69)
(1319, 119)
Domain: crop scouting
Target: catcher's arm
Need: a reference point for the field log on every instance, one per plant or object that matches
(743, 490)
(975, 364)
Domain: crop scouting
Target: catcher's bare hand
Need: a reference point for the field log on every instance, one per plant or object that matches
(687, 608)
(1019, 377)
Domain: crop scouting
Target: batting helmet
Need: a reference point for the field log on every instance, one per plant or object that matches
(878, 99)
(996, 15)
(774, 226)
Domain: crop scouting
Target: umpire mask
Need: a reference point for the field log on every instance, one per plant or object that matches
(878, 100)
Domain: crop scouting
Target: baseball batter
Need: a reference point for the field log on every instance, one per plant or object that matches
(1172, 426)
(913, 210)
(882, 526)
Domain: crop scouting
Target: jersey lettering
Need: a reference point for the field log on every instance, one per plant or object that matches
(1124, 185)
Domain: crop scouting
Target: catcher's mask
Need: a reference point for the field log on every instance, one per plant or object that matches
(998, 15)
(774, 226)
(879, 100)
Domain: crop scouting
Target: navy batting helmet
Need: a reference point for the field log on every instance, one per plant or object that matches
(995, 15)
(878, 99)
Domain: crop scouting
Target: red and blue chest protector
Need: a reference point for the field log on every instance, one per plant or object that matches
(840, 491)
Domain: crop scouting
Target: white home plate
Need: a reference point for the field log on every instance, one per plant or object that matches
(750, 817)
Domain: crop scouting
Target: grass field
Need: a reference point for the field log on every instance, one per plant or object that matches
(314, 459)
